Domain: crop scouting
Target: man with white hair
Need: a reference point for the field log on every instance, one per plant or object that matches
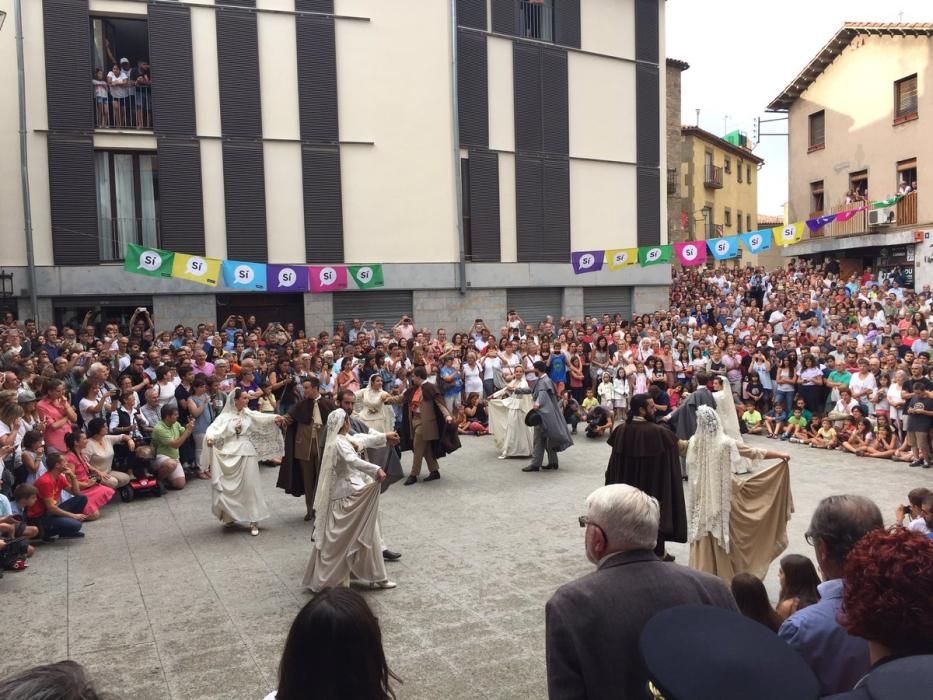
(593, 624)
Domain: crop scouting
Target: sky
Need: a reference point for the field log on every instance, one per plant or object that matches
(742, 54)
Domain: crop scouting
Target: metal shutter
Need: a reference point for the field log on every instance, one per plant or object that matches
(554, 245)
(238, 61)
(607, 300)
(526, 71)
(323, 205)
(504, 16)
(73, 201)
(245, 198)
(387, 306)
(472, 14)
(181, 209)
(484, 206)
(533, 304)
(172, 87)
(317, 78)
(68, 66)
(555, 121)
(567, 22)
(649, 206)
(472, 89)
(647, 31)
(528, 219)
(326, 6)
(647, 114)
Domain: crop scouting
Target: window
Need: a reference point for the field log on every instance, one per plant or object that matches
(127, 187)
(536, 19)
(748, 174)
(817, 138)
(748, 222)
(817, 202)
(727, 166)
(707, 221)
(907, 176)
(122, 92)
(738, 221)
(858, 187)
(905, 98)
(727, 217)
(739, 173)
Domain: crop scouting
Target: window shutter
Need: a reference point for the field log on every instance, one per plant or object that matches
(315, 6)
(484, 206)
(172, 86)
(388, 306)
(472, 14)
(504, 16)
(317, 78)
(567, 22)
(647, 31)
(245, 198)
(526, 70)
(238, 61)
(649, 206)
(528, 202)
(554, 102)
(68, 65)
(323, 205)
(472, 89)
(73, 200)
(555, 232)
(534, 304)
(648, 114)
(181, 208)
(607, 300)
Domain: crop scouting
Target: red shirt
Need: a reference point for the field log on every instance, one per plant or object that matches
(48, 487)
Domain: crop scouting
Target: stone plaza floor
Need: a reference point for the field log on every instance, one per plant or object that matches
(159, 602)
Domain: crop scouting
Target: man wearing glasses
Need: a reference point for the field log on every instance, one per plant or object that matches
(593, 624)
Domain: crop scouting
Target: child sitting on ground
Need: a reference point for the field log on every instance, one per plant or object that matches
(885, 443)
(774, 420)
(796, 430)
(752, 419)
(825, 438)
(473, 418)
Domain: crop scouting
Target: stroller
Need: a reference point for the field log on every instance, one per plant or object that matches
(142, 484)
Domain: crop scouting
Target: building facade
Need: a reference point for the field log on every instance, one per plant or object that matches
(856, 120)
(675, 187)
(468, 161)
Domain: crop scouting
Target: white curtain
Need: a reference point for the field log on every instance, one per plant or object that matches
(147, 176)
(127, 231)
(104, 220)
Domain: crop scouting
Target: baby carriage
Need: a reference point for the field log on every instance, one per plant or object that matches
(141, 483)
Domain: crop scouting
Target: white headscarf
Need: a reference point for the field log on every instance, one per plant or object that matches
(325, 486)
(265, 435)
(710, 456)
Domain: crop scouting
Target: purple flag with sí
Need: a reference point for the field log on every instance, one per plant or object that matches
(819, 222)
(587, 261)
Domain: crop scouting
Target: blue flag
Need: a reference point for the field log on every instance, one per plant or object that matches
(757, 241)
(724, 248)
(244, 275)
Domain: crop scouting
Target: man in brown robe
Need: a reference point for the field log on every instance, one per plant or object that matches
(645, 455)
(304, 444)
(428, 429)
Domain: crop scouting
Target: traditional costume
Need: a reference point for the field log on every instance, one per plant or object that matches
(375, 411)
(304, 443)
(550, 434)
(507, 411)
(729, 420)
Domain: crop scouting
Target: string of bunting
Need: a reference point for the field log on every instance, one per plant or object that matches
(695, 252)
(241, 275)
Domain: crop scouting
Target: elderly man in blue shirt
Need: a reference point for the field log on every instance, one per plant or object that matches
(838, 659)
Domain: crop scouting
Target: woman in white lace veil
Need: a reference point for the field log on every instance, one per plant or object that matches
(234, 445)
(729, 420)
(736, 524)
(347, 541)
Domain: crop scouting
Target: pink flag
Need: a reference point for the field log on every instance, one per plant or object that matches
(691, 252)
(327, 278)
(844, 216)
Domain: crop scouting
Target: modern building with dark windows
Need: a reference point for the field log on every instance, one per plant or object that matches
(467, 145)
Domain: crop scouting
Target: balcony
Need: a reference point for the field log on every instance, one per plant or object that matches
(123, 108)
(712, 177)
(906, 215)
(114, 233)
(536, 18)
(907, 210)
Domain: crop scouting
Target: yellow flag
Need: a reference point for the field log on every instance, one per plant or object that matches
(621, 258)
(790, 234)
(196, 268)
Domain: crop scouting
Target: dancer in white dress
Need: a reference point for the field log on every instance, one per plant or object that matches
(375, 411)
(729, 421)
(234, 444)
(347, 541)
(507, 411)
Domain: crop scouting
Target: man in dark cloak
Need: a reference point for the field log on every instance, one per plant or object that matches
(304, 444)
(550, 434)
(645, 455)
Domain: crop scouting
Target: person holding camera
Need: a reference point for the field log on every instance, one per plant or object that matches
(915, 515)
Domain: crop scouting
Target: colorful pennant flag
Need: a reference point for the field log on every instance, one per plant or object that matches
(327, 278)
(724, 248)
(286, 278)
(690, 253)
(655, 255)
(788, 235)
(889, 202)
(844, 216)
(819, 222)
(757, 241)
(621, 258)
(586, 261)
(148, 261)
(196, 268)
(244, 275)
(366, 276)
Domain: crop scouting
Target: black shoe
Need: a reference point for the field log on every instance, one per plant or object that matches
(433, 476)
(412, 479)
(573, 432)
(685, 477)
(73, 536)
(917, 463)
(550, 466)
(668, 557)
(531, 468)
(389, 555)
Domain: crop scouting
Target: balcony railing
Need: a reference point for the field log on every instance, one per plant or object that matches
(907, 210)
(124, 108)
(537, 19)
(114, 234)
(906, 215)
(712, 177)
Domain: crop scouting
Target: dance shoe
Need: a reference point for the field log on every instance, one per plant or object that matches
(389, 555)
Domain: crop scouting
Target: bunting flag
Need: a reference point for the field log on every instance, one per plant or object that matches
(621, 258)
(819, 222)
(586, 261)
(327, 278)
(244, 275)
(690, 253)
(655, 255)
(844, 216)
(196, 269)
(724, 248)
(286, 278)
(788, 235)
(366, 276)
(757, 241)
(889, 202)
(148, 261)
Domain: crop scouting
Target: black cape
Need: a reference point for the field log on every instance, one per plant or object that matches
(291, 479)
(645, 455)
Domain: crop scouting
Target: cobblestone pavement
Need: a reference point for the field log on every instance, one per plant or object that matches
(159, 602)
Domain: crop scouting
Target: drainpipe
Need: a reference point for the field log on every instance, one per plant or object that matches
(24, 165)
(455, 123)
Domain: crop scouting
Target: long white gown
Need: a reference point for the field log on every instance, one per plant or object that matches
(373, 410)
(729, 420)
(507, 421)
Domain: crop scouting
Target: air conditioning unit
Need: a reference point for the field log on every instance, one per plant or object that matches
(886, 216)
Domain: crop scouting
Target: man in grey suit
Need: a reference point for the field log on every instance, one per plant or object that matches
(593, 624)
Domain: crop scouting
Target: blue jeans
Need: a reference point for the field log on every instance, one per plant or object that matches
(787, 398)
(59, 525)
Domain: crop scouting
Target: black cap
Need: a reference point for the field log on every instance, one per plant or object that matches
(701, 652)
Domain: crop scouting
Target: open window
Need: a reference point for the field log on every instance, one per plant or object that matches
(536, 19)
(817, 200)
(858, 187)
(127, 185)
(907, 176)
(121, 82)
